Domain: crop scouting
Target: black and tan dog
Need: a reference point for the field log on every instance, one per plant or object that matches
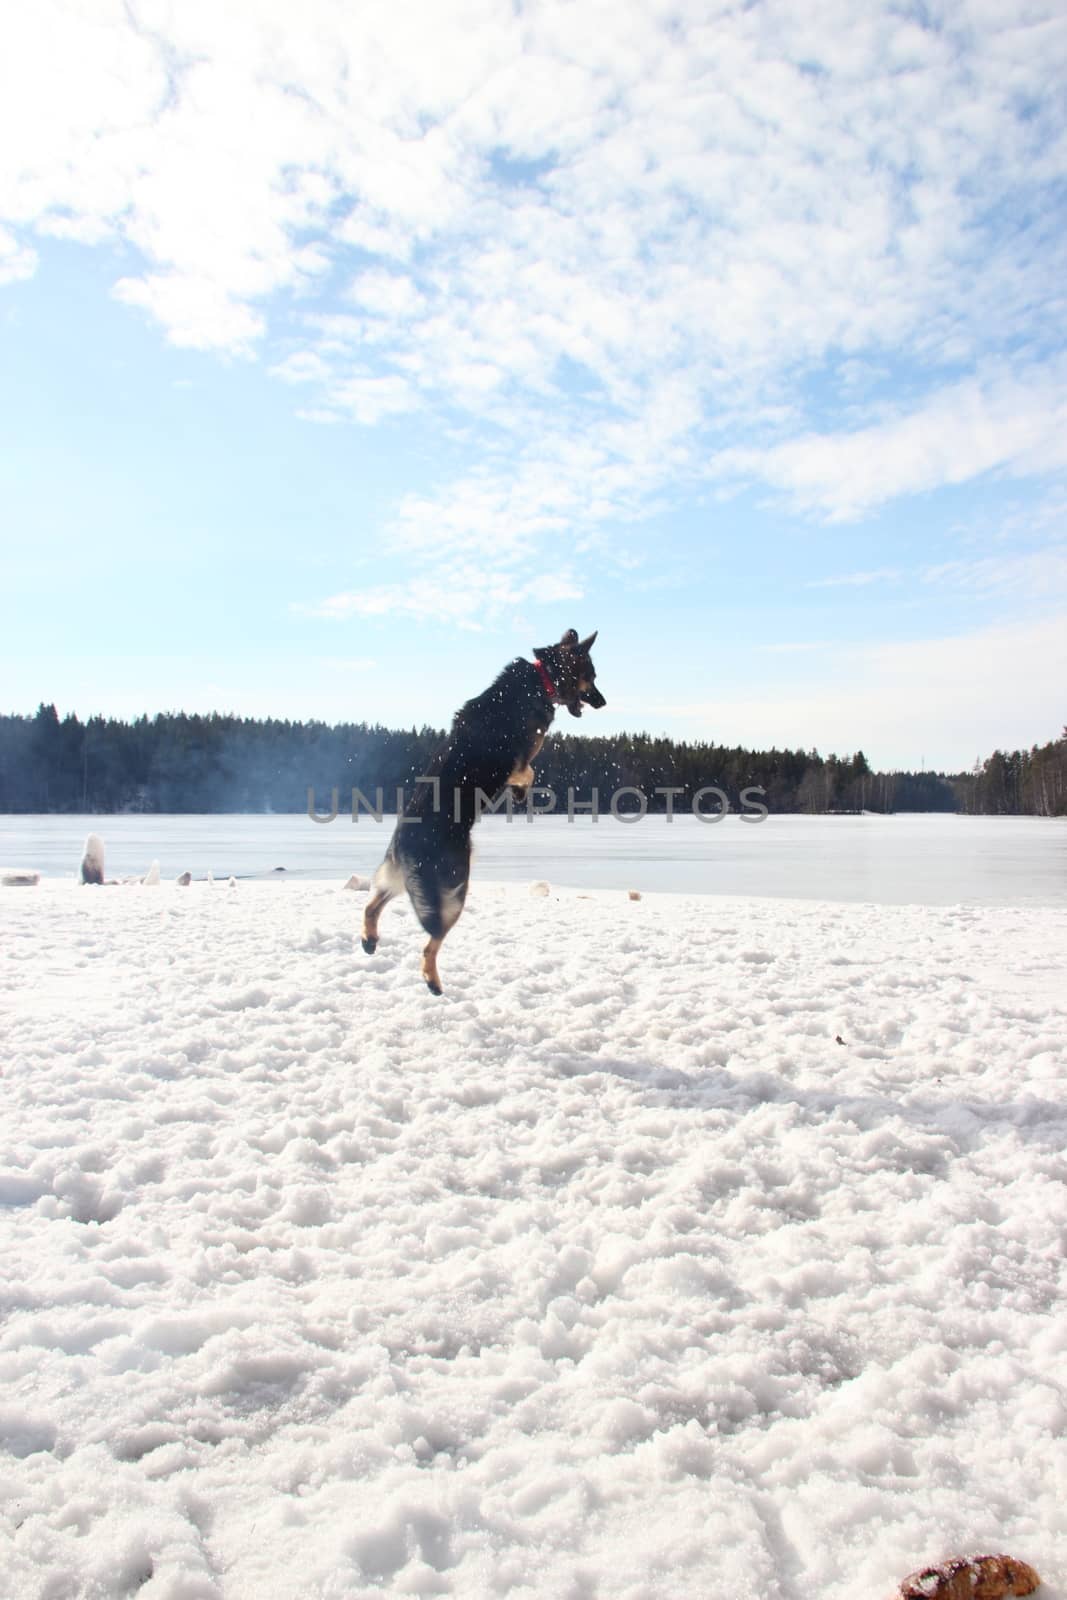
(494, 739)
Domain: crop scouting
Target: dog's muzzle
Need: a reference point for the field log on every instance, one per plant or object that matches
(590, 697)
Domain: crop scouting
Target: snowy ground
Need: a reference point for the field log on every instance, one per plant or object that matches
(611, 1274)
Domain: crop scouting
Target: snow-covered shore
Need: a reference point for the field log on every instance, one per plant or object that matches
(612, 1273)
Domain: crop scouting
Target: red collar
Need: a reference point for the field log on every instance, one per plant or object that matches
(549, 686)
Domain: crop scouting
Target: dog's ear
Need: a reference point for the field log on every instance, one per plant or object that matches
(587, 644)
(570, 639)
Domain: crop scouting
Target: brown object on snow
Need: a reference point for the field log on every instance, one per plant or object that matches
(635, 894)
(974, 1578)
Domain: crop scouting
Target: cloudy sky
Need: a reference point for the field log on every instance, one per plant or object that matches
(349, 349)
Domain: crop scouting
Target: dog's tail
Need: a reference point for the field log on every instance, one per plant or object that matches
(437, 885)
(437, 902)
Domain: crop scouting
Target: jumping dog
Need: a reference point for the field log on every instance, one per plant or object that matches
(492, 743)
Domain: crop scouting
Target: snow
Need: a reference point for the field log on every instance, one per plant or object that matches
(611, 1273)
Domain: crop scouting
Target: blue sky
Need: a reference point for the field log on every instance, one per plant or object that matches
(346, 353)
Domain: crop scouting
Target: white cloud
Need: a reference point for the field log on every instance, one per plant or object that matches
(367, 399)
(1033, 574)
(16, 261)
(305, 366)
(1039, 574)
(386, 294)
(1013, 423)
(855, 580)
(197, 313)
(464, 596)
(618, 239)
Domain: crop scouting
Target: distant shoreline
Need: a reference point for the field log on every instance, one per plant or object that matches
(181, 765)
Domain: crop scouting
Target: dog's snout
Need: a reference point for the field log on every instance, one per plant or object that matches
(596, 699)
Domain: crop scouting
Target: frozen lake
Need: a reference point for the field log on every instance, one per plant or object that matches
(899, 860)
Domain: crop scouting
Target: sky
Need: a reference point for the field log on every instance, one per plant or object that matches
(348, 351)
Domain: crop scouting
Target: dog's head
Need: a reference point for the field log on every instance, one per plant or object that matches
(571, 669)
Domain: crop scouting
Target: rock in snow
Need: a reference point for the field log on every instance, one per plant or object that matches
(92, 867)
(609, 1274)
(974, 1578)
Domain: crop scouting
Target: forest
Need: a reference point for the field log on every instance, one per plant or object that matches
(174, 762)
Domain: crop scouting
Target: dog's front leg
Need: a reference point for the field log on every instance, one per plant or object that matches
(523, 777)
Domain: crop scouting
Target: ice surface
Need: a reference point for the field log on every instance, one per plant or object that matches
(608, 1274)
(942, 860)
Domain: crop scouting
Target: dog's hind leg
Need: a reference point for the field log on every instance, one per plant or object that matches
(371, 912)
(429, 965)
(386, 888)
(438, 923)
(449, 916)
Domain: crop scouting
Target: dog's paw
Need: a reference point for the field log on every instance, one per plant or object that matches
(434, 988)
(369, 945)
(977, 1578)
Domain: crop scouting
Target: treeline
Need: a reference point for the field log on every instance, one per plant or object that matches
(1022, 783)
(174, 762)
